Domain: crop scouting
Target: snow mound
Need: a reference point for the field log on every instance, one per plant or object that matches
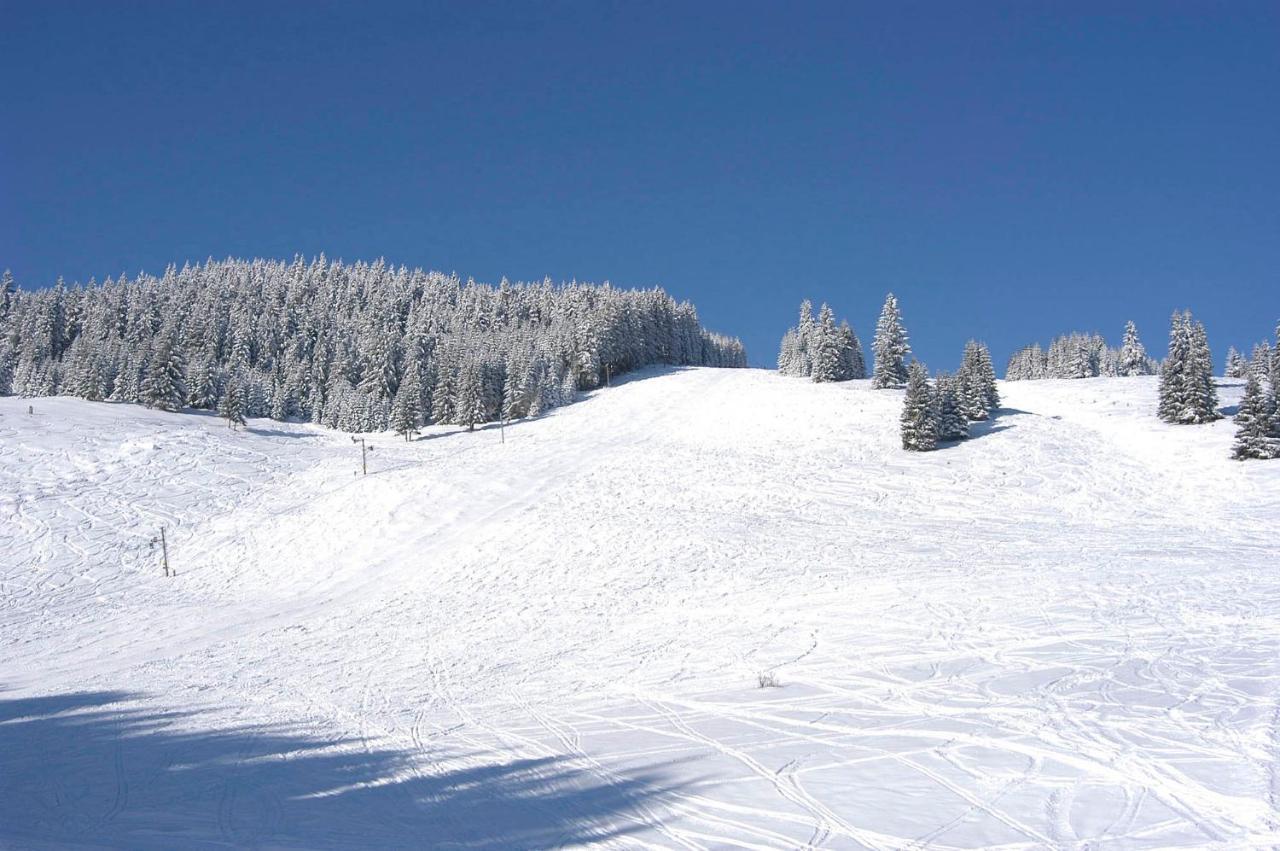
(1064, 632)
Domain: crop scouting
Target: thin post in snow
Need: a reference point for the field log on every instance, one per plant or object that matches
(364, 454)
(164, 551)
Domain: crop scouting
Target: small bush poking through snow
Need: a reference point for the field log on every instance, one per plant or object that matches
(766, 679)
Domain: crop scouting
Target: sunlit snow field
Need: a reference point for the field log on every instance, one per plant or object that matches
(1064, 632)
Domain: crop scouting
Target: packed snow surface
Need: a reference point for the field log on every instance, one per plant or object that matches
(1064, 632)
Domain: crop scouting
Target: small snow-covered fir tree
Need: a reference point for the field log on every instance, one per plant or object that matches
(1237, 366)
(1275, 353)
(404, 415)
(826, 347)
(1275, 363)
(890, 347)
(1133, 355)
(919, 412)
(202, 390)
(1203, 390)
(1258, 423)
(468, 408)
(952, 424)
(231, 405)
(852, 364)
(987, 378)
(1260, 362)
(165, 385)
(977, 392)
(6, 290)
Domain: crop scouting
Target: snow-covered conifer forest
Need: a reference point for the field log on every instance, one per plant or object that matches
(360, 347)
(1079, 355)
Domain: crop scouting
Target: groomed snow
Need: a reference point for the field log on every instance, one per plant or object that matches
(1062, 633)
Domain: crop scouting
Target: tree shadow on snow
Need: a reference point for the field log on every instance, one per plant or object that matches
(977, 430)
(1229, 411)
(96, 768)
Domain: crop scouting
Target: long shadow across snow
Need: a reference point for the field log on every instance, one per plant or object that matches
(94, 769)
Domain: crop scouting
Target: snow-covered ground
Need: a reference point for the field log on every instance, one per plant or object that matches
(1062, 633)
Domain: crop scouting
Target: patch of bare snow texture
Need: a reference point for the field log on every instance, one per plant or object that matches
(1062, 633)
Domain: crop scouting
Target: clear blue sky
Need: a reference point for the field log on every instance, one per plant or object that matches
(1011, 171)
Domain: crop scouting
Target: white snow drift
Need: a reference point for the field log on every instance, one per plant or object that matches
(1064, 632)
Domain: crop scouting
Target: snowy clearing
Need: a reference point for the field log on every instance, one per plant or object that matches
(1064, 632)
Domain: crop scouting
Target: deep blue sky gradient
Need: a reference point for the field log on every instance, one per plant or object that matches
(1010, 170)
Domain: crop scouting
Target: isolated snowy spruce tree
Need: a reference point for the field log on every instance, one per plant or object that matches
(1258, 435)
(890, 347)
(1133, 355)
(978, 396)
(919, 411)
(1187, 392)
(952, 423)
(165, 385)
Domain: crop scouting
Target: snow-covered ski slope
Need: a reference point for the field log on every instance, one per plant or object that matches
(1063, 633)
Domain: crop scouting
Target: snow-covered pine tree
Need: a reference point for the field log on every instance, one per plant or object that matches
(468, 405)
(442, 399)
(1187, 392)
(804, 340)
(1257, 435)
(978, 395)
(1260, 362)
(1236, 367)
(852, 364)
(231, 405)
(919, 413)
(788, 353)
(952, 424)
(1173, 375)
(165, 386)
(826, 347)
(1204, 392)
(1133, 355)
(6, 292)
(987, 378)
(404, 413)
(1275, 364)
(890, 347)
(202, 390)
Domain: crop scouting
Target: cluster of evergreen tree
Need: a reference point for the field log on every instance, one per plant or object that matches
(820, 349)
(943, 410)
(1082, 356)
(1264, 361)
(823, 351)
(360, 347)
(1187, 391)
(1258, 419)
